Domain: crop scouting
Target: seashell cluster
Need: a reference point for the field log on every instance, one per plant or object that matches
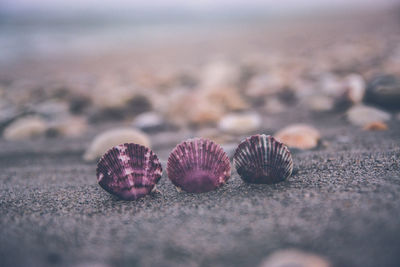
(198, 165)
(129, 171)
(261, 159)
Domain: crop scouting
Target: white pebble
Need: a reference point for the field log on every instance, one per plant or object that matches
(361, 115)
(148, 120)
(240, 123)
(104, 141)
(25, 128)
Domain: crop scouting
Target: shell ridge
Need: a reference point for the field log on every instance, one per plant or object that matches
(263, 155)
(274, 158)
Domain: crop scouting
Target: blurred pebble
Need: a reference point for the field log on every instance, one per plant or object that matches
(301, 136)
(193, 108)
(361, 115)
(207, 106)
(319, 103)
(106, 140)
(8, 114)
(264, 85)
(136, 105)
(149, 121)
(204, 113)
(240, 123)
(114, 96)
(52, 110)
(274, 106)
(73, 126)
(354, 88)
(294, 258)
(79, 103)
(25, 128)
(110, 92)
(331, 85)
(343, 139)
(376, 126)
(219, 73)
(215, 135)
(384, 91)
(227, 97)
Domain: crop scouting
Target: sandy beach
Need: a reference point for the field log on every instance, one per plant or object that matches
(341, 202)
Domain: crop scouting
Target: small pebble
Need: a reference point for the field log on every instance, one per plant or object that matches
(355, 88)
(343, 139)
(274, 106)
(8, 114)
(385, 91)
(240, 123)
(73, 126)
(226, 97)
(148, 121)
(52, 110)
(376, 126)
(219, 73)
(25, 128)
(361, 115)
(331, 85)
(106, 140)
(215, 135)
(320, 103)
(204, 114)
(263, 85)
(191, 108)
(294, 258)
(301, 136)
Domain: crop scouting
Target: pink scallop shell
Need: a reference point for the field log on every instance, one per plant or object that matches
(129, 171)
(262, 159)
(198, 165)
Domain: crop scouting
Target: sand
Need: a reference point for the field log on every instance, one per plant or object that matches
(341, 203)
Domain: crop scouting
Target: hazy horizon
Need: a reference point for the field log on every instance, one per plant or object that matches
(16, 6)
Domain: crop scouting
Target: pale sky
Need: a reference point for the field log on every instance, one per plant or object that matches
(192, 4)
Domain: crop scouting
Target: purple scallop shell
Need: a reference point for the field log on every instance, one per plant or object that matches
(261, 159)
(129, 171)
(198, 165)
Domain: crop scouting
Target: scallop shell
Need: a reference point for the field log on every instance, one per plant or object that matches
(261, 159)
(129, 171)
(198, 165)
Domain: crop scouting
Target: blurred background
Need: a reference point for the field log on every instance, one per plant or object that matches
(220, 70)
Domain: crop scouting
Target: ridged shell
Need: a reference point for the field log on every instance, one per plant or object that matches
(129, 171)
(198, 165)
(261, 159)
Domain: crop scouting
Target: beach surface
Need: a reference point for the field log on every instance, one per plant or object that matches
(341, 202)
